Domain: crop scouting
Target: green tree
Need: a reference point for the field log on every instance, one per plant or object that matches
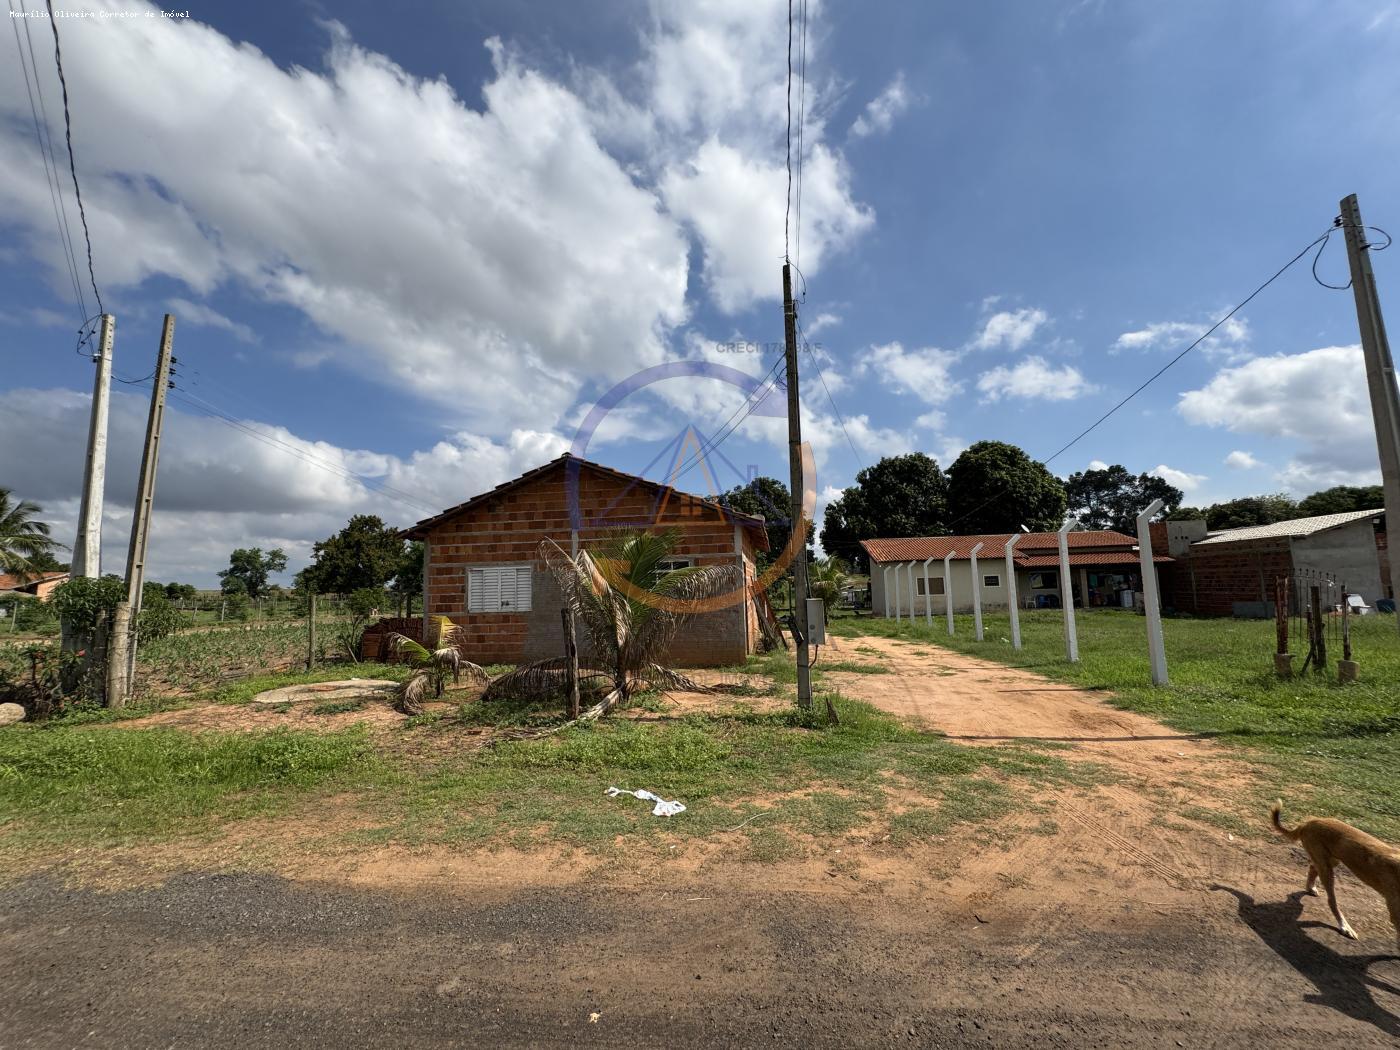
(771, 500)
(251, 568)
(995, 487)
(408, 575)
(24, 542)
(898, 496)
(181, 591)
(1249, 510)
(366, 553)
(1340, 499)
(1112, 498)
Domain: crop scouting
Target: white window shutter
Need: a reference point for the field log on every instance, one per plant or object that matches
(498, 588)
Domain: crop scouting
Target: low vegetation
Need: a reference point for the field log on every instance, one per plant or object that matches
(1334, 748)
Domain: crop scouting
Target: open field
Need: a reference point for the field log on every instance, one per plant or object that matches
(1331, 748)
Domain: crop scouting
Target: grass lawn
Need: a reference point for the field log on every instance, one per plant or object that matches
(70, 782)
(1334, 749)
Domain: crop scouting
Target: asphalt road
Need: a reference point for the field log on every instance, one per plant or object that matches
(255, 961)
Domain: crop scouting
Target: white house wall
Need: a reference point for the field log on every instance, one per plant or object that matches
(1348, 553)
(992, 597)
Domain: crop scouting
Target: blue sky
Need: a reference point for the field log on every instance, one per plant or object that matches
(408, 246)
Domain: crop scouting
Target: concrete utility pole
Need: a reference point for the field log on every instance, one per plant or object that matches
(1151, 600)
(1380, 373)
(124, 648)
(885, 578)
(1067, 592)
(948, 589)
(1011, 593)
(87, 548)
(795, 479)
(897, 612)
(976, 596)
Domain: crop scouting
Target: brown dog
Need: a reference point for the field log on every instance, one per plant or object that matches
(1330, 842)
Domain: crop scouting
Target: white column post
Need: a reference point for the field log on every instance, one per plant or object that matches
(885, 576)
(896, 594)
(1011, 599)
(976, 596)
(948, 589)
(1151, 599)
(928, 596)
(1067, 592)
(912, 610)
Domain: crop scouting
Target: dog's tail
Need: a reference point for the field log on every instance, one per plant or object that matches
(1274, 815)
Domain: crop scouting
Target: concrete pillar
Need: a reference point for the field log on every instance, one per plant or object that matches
(948, 589)
(912, 589)
(885, 580)
(976, 595)
(896, 594)
(1067, 592)
(928, 595)
(1011, 598)
(1151, 598)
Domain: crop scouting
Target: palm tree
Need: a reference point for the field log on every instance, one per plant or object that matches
(22, 539)
(430, 668)
(826, 580)
(630, 607)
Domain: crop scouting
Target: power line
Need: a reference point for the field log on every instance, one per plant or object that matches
(821, 374)
(1195, 343)
(45, 144)
(787, 213)
(730, 425)
(72, 165)
(1157, 374)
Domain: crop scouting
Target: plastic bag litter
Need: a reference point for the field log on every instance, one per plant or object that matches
(662, 807)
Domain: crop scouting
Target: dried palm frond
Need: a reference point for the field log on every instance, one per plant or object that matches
(544, 680)
(410, 695)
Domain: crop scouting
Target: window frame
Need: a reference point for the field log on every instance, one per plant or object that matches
(936, 587)
(502, 608)
(991, 579)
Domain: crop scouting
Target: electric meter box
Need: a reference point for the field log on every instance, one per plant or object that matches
(816, 621)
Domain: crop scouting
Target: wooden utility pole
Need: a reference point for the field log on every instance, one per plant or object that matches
(799, 525)
(1380, 372)
(124, 648)
(571, 656)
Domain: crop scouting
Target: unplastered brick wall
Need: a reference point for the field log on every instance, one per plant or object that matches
(509, 530)
(1214, 578)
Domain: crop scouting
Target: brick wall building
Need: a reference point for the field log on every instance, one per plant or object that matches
(482, 567)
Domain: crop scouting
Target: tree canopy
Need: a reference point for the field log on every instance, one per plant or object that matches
(898, 496)
(1243, 512)
(995, 487)
(248, 570)
(1341, 499)
(366, 553)
(1112, 498)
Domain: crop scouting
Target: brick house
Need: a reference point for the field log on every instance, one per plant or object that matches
(1104, 568)
(1232, 572)
(40, 585)
(482, 567)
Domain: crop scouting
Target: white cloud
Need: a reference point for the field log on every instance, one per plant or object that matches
(203, 316)
(932, 420)
(734, 200)
(208, 163)
(884, 109)
(1034, 377)
(220, 487)
(1230, 341)
(1182, 479)
(1241, 460)
(1012, 329)
(1317, 398)
(925, 373)
(1097, 464)
(821, 322)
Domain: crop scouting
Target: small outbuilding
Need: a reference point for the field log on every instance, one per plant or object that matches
(482, 567)
(1234, 572)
